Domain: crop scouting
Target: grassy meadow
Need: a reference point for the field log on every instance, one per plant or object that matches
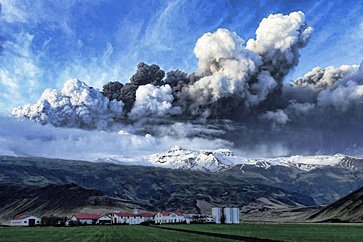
(285, 232)
(282, 232)
(98, 233)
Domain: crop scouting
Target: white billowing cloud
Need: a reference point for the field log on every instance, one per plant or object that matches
(76, 105)
(153, 101)
(26, 138)
(278, 40)
(229, 68)
(320, 78)
(278, 116)
(343, 96)
(265, 83)
(226, 64)
(213, 49)
(345, 92)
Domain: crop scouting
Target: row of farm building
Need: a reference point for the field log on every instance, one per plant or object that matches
(219, 215)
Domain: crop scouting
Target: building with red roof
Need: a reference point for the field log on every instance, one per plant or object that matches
(132, 218)
(90, 218)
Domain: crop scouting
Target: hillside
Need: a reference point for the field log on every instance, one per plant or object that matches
(102, 185)
(347, 209)
(148, 188)
(51, 200)
(325, 178)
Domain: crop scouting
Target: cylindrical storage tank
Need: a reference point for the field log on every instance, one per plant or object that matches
(216, 214)
(227, 215)
(235, 215)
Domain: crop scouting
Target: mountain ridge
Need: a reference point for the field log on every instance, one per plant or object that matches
(222, 159)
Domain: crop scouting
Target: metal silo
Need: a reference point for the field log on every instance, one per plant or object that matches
(235, 215)
(216, 214)
(227, 215)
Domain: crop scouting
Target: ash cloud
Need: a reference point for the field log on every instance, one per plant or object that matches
(76, 105)
(238, 92)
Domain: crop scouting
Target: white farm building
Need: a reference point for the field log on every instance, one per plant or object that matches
(85, 218)
(132, 218)
(25, 221)
(169, 217)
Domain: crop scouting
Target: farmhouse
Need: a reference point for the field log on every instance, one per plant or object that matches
(85, 218)
(25, 221)
(132, 218)
(104, 219)
(169, 217)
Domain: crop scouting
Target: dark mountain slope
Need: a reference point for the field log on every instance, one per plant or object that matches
(325, 184)
(347, 209)
(148, 188)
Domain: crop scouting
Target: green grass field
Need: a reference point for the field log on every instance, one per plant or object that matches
(283, 232)
(99, 234)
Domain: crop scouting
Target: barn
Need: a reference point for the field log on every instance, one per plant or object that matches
(104, 219)
(85, 218)
(132, 218)
(169, 217)
(29, 221)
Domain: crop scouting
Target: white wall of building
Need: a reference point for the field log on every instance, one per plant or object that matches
(105, 219)
(26, 221)
(170, 218)
(135, 219)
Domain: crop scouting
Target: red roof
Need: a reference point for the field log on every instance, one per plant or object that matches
(146, 214)
(87, 216)
(165, 213)
(125, 214)
(21, 217)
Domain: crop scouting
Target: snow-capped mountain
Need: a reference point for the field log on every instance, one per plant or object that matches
(217, 160)
(179, 158)
(308, 163)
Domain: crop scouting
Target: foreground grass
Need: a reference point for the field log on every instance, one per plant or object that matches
(99, 234)
(284, 232)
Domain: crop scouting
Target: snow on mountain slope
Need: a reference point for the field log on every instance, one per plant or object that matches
(308, 163)
(216, 160)
(302, 162)
(179, 158)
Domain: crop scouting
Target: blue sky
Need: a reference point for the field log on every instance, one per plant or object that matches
(45, 43)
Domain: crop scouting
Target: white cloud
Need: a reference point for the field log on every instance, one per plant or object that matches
(19, 71)
(11, 12)
(152, 101)
(76, 105)
(26, 138)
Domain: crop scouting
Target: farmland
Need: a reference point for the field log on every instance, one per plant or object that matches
(282, 232)
(98, 233)
(285, 232)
